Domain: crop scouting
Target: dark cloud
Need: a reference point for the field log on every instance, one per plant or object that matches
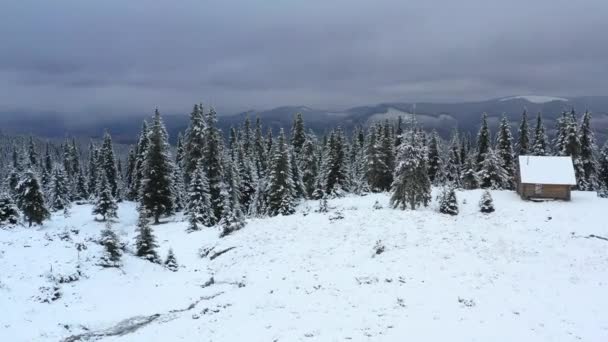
(129, 56)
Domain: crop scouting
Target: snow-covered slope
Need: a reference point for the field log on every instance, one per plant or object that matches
(528, 272)
(535, 98)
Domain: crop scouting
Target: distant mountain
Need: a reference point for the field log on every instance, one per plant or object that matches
(442, 117)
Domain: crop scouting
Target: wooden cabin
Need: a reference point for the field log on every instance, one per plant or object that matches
(545, 177)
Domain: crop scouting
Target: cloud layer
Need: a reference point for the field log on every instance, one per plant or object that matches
(120, 57)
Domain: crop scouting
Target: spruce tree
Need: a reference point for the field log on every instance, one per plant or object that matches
(603, 170)
(411, 186)
(587, 155)
(232, 218)
(171, 262)
(32, 154)
(112, 249)
(434, 158)
(194, 143)
(81, 191)
(335, 165)
(448, 204)
(247, 174)
(298, 184)
(145, 241)
(280, 181)
(453, 165)
(540, 146)
(156, 192)
(504, 149)
(468, 177)
(571, 146)
(298, 135)
(483, 141)
(140, 157)
(199, 202)
(9, 214)
(105, 204)
(309, 167)
(30, 199)
(59, 195)
(375, 162)
(523, 143)
(93, 172)
(260, 154)
(179, 189)
(560, 136)
(212, 156)
(108, 164)
(486, 204)
(492, 175)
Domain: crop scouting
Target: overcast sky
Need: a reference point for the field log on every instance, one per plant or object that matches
(127, 56)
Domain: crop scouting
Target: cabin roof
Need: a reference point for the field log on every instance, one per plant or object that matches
(546, 170)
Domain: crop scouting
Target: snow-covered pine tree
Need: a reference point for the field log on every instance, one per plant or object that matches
(179, 150)
(171, 262)
(232, 218)
(81, 191)
(108, 164)
(93, 172)
(260, 154)
(336, 174)
(358, 172)
(587, 155)
(9, 214)
(560, 135)
(59, 194)
(199, 202)
(259, 203)
(309, 164)
(269, 141)
(145, 241)
(398, 131)
(212, 157)
(504, 149)
(571, 146)
(453, 165)
(540, 146)
(375, 163)
(603, 170)
(140, 157)
(486, 204)
(523, 142)
(32, 154)
(492, 175)
(298, 134)
(448, 204)
(247, 174)
(30, 199)
(246, 135)
(194, 142)
(434, 158)
(280, 180)
(156, 192)
(298, 185)
(411, 185)
(483, 141)
(468, 176)
(105, 204)
(112, 249)
(130, 174)
(179, 189)
(388, 154)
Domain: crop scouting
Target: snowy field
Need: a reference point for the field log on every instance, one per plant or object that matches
(528, 272)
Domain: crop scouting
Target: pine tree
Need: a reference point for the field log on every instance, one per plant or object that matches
(453, 165)
(603, 170)
(540, 147)
(32, 154)
(145, 241)
(212, 156)
(298, 185)
(260, 154)
(448, 204)
(434, 159)
(59, 195)
(486, 204)
(179, 189)
(375, 162)
(112, 251)
(587, 156)
(140, 157)
(247, 174)
(81, 192)
(232, 216)
(468, 177)
(9, 214)
(483, 141)
(335, 165)
(280, 181)
(411, 186)
(108, 164)
(504, 149)
(199, 203)
(130, 174)
(105, 204)
(309, 167)
(180, 150)
(358, 171)
(194, 143)
(571, 146)
(298, 135)
(93, 172)
(492, 175)
(171, 262)
(156, 194)
(523, 143)
(30, 199)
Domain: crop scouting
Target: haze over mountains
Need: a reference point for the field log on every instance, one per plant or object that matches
(440, 116)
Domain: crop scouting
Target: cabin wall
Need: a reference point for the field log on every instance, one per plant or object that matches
(546, 191)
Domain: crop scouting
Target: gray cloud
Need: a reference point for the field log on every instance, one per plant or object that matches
(118, 56)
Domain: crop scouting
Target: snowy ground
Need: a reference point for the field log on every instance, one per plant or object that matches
(528, 272)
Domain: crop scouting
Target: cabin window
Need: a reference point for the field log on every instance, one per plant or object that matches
(538, 189)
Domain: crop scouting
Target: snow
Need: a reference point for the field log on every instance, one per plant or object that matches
(527, 272)
(535, 98)
(546, 170)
